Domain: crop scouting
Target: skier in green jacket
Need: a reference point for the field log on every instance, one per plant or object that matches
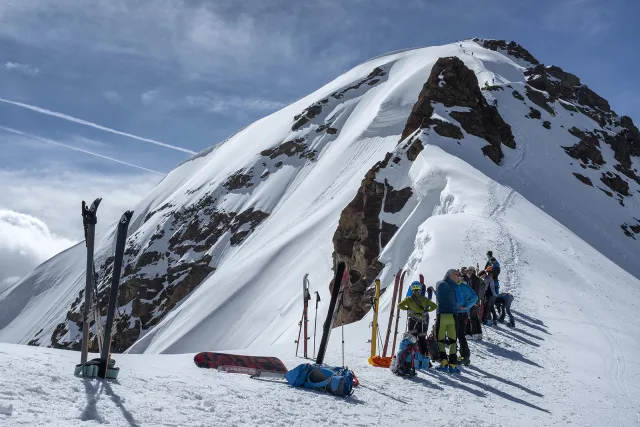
(417, 306)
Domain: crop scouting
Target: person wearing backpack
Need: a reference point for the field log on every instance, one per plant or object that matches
(469, 299)
(449, 304)
(503, 303)
(495, 272)
(490, 298)
(475, 321)
(418, 307)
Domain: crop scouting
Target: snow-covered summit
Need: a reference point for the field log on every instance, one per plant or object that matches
(375, 168)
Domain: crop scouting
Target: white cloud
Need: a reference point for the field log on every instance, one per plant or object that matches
(211, 102)
(54, 196)
(25, 242)
(23, 68)
(112, 97)
(149, 97)
(219, 103)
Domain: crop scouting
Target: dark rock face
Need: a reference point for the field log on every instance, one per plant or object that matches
(395, 200)
(512, 49)
(415, 148)
(370, 80)
(287, 148)
(534, 114)
(460, 89)
(357, 241)
(631, 230)
(239, 180)
(540, 100)
(584, 179)
(308, 114)
(448, 130)
(387, 232)
(616, 183)
(517, 95)
(587, 150)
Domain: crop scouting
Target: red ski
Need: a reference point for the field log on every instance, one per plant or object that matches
(393, 306)
(395, 335)
(257, 363)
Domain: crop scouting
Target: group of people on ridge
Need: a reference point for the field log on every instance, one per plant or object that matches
(466, 300)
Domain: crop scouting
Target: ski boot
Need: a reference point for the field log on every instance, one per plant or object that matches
(511, 325)
(465, 361)
(443, 366)
(487, 323)
(501, 320)
(453, 369)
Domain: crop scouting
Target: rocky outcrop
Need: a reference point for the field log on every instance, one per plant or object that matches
(587, 150)
(239, 180)
(584, 179)
(370, 80)
(616, 183)
(512, 48)
(357, 241)
(546, 124)
(540, 100)
(361, 234)
(534, 114)
(631, 230)
(453, 84)
(315, 109)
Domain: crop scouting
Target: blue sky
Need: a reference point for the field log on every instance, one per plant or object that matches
(189, 73)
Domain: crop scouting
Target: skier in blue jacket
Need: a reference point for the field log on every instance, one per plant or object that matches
(468, 298)
(449, 295)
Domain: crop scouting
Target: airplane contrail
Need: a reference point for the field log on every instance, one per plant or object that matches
(39, 138)
(91, 124)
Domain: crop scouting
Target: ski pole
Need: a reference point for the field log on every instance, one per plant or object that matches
(343, 344)
(315, 326)
(299, 332)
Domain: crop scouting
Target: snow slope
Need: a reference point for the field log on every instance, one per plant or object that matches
(255, 287)
(572, 270)
(569, 361)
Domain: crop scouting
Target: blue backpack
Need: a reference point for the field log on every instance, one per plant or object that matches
(335, 380)
(408, 358)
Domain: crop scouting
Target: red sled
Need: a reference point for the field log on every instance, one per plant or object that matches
(240, 364)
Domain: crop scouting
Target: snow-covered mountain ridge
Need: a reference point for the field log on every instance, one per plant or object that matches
(345, 171)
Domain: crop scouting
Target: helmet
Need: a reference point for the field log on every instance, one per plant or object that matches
(416, 287)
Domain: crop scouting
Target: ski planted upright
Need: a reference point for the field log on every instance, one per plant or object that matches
(89, 221)
(336, 291)
(121, 240)
(395, 335)
(305, 312)
(374, 333)
(393, 305)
